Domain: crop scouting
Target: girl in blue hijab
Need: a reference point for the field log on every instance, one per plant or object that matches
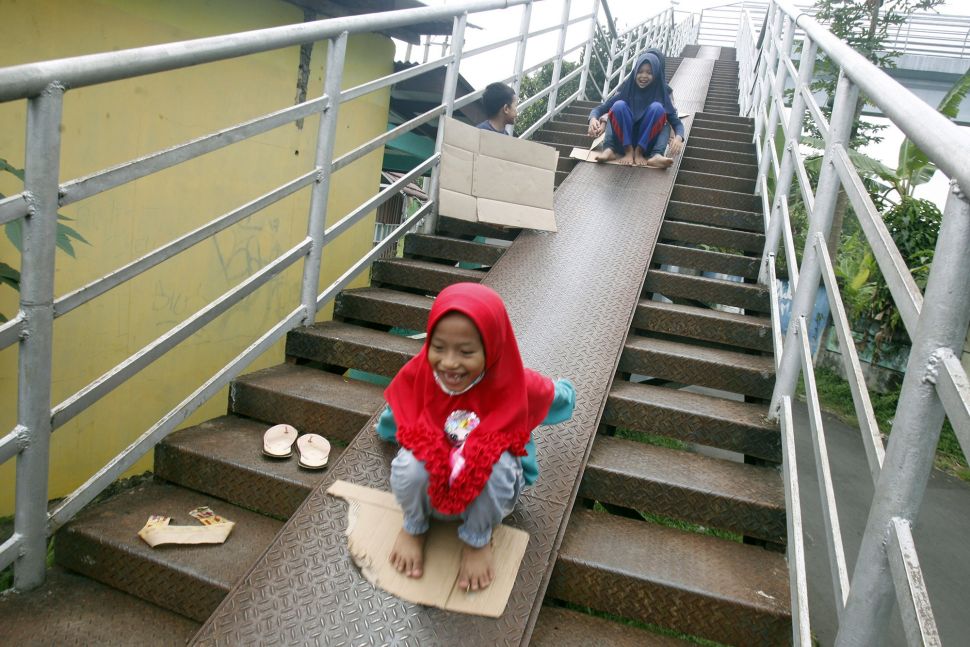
(636, 118)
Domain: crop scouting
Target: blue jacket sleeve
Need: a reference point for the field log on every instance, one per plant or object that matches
(386, 426)
(561, 410)
(677, 124)
(603, 108)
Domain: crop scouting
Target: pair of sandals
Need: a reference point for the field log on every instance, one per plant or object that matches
(314, 449)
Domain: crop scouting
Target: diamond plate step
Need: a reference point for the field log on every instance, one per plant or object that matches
(702, 166)
(223, 457)
(693, 418)
(335, 343)
(559, 627)
(566, 164)
(745, 499)
(570, 139)
(383, 306)
(700, 130)
(704, 586)
(706, 261)
(707, 290)
(577, 125)
(68, 609)
(715, 216)
(102, 543)
(742, 331)
(457, 227)
(420, 275)
(747, 121)
(711, 197)
(691, 364)
(719, 181)
(703, 234)
(699, 149)
(452, 249)
(712, 122)
(311, 400)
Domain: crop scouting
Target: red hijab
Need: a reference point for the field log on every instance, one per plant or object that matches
(510, 400)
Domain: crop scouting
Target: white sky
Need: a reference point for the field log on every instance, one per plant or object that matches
(499, 64)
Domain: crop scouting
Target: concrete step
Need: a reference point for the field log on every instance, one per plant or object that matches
(699, 149)
(706, 261)
(674, 285)
(102, 543)
(560, 627)
(341, 345)
(420, 275)
(742, 241)
(715, 493)
(700, 585)
(687, 363)
(693, 418)
(311, 400)
(391, 308)
(711, 197)
(445, 248)
(707, 167)
(714, 216)
(722, 182)
(223, 457)
(693, 322)
(457, 227)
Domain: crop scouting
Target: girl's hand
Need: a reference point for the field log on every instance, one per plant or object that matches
(676, 145)
(596, 127)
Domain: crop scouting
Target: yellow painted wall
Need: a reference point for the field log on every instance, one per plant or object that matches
(109, 124)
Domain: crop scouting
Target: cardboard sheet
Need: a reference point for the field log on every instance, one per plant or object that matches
(374, 520)
(516, 177)
(587, 154)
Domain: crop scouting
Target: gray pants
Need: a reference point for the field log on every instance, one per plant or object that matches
(409, 482)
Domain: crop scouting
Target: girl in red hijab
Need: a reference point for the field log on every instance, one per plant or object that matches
(463, 410)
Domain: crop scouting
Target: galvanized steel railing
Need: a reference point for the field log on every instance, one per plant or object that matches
(936, 321)
(44, 85)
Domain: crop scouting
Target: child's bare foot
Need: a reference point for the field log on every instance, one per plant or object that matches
(477, 568)
(659, 161)
(607, 155)
(628, 159)
(638, 157)
(407, 555)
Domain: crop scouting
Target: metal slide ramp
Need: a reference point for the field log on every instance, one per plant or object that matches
(581, 303)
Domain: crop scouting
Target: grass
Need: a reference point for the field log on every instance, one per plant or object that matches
(835, 397)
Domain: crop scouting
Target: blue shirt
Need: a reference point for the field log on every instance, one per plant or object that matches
(487, 125)
(561, 410)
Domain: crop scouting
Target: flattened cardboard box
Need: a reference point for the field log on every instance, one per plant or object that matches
(496, 179)
(373, 521)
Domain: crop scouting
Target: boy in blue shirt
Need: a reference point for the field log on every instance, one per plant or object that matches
(500, 106)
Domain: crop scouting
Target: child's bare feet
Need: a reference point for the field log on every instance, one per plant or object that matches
(606, 155)
(659, 161)
(477, 568)
(407, 555)
(628, 159)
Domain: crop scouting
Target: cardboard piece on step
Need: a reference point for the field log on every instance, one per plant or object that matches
(589, 154)
(373, 522)
(214, 529)
(496, 179)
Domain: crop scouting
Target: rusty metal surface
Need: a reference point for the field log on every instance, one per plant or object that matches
(311, 400)
(744, 331)
(305, 588)
(336, 343)
(559, 627)
(704, 586)
(72, 610)
(102, 543)
(223, 457)
(698, 234)
(420, 275)
(452, 249)
(745, 499)
(693, 418)
(707, 261)
(742, 295)
(383, 306)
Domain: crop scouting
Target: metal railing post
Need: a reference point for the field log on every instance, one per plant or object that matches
(774, 36)
(806, 68)
(781, 75)
(557, 65)
(35, 355)
(803, 301)
(609, 68)
(915, 433)
(317, 222)
(588, 54)
(520, 47)
(448, 99)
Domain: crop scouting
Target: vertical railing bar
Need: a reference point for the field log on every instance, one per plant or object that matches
(777, 87)
(320, 195)
(557, 64)
(789, 240)
(830, 513)
(871, 439)
(524, 24)
(776, 337)
(588, 54)
(35, 356)
(912, 596)
(609, 67)
(798, 580)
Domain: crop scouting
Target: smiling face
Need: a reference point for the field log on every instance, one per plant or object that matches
(455, 352)
(644, 75)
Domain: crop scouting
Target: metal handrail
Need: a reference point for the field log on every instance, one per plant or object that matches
(44, 85)
(937, 322)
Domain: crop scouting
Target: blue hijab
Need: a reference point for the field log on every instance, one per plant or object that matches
(639, 99)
